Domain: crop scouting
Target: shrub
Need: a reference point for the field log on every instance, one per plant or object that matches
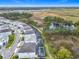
(64, 53)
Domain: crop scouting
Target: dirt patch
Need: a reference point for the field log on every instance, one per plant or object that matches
(68, 41)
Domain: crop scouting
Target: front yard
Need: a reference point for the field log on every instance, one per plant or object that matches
(11, 40)
(14, 57)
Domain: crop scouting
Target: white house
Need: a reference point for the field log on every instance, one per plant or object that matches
(29, 35)
(56, 25)
(52, 26)
(28, 50)
(4, 37)
(5, 26)
(30, 38)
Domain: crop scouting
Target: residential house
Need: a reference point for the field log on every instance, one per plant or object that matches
(4, 36)
(67, 26)
(28, 50)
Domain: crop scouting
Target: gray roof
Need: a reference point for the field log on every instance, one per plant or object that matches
(1, 24)
(29, 32)
(28, 48)
(5, 30)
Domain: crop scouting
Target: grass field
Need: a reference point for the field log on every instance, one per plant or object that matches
(67, 14)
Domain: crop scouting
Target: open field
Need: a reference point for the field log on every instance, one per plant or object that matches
(67, 14)
(55, 42)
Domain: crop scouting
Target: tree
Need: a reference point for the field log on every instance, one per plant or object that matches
(16, 16)
(77, 23)
(31, 22)
(58, 19)
(0, 57)
(48, 19)
(64, 53)
(14, 57)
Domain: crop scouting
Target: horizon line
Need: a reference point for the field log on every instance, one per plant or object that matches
(39, 5)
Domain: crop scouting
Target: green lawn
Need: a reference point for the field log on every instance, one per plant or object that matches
(14, 57)
(11, 40)
(0, 57)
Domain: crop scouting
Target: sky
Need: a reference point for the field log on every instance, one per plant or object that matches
(38, 3)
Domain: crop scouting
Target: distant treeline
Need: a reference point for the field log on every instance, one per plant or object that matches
(35, 8)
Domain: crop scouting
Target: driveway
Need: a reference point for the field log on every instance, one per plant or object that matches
(7, 53)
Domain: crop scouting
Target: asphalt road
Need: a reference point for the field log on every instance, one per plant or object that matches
(7, 53)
